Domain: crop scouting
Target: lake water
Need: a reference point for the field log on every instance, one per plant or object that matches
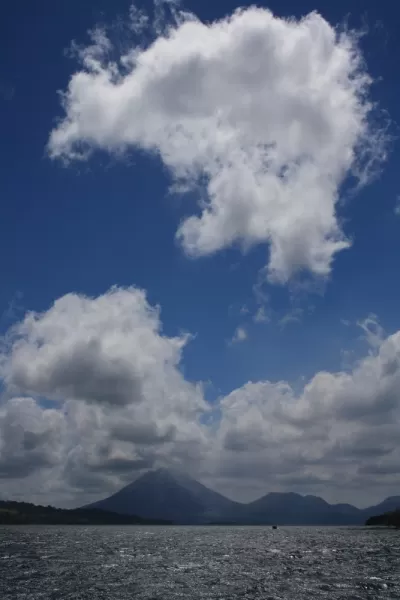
(224, 563)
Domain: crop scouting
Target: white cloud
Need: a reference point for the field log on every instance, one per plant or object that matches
(261, 315)
(270, 115)
(240, 335)
(294, 315)
(338, 436)
(374, 333)
(340, 431)
(105, 350)
(115, 382)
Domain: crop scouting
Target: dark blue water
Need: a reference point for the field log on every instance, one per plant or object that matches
(224, 563)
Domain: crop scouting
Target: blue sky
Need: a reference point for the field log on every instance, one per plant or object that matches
(88, 225)
(91, 226)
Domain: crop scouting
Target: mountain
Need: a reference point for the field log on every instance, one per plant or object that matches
(294, 509)
(23, 513)
(171, 495)
(389, 505)
(168, 495)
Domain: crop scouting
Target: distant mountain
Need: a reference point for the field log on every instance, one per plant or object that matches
(294, 509)
(389, 505)
(170, 495)
(347, 509)
(24, 513)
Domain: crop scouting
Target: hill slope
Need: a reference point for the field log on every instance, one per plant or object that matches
(23, 513)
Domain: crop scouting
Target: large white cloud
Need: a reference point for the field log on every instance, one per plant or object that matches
(341, 430)
(115, 384)
(73, 433)
(107, 350)
(269, 115)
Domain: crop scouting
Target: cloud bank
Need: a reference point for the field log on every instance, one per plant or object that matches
(94, 393)
(267, 117)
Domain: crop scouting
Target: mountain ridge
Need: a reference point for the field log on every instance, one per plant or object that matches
(174, 496)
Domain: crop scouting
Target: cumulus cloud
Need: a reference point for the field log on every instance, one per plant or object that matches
(342, 428)
(31, 438)
(104, 350)
(267, 115)
(71, 442)
(115, 384)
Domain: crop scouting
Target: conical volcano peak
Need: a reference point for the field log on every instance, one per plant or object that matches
(171, 492)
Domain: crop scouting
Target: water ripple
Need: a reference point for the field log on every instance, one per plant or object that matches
(209, 563)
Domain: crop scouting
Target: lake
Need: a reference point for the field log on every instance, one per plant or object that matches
(224, 563)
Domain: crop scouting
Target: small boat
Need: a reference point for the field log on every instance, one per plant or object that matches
(274, 526)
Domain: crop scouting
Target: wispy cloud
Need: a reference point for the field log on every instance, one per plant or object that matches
(397, 207)
(294, 315)
(261, 316)
(240, 335)
(374, 333)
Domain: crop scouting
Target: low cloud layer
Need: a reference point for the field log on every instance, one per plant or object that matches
(264, 117)
(71, 432)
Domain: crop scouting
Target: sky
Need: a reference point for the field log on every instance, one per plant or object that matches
(199, 247)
